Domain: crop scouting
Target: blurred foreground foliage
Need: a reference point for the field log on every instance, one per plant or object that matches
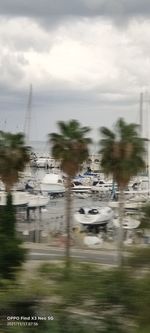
(140, 258)
(109, 300)
(92, 300)
(12, 255)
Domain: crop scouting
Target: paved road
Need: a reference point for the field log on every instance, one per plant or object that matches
(102, 257)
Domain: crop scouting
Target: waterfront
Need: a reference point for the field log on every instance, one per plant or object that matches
(48, 224)
(51, 220)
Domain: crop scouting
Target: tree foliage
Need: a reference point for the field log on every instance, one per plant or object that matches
(70, 146)
(103, 301)
(122, 152)
(93, 300)
(14, 156)
(12, 254)
(122, 156)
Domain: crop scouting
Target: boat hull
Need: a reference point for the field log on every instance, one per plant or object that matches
(52, 183)
(52, 188)
(18, 199)
(102, 216)
(35, 201)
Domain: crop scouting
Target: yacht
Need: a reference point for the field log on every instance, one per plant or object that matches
(52, 184)
(101, 186)
(79, 187)
(94, 215)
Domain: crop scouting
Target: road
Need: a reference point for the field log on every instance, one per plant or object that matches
(53, 253)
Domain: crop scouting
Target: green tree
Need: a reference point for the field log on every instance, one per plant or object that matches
(13, 157)
(122, 156)
(140, 257)
(70, 146)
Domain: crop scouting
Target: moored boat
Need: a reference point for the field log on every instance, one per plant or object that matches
(94, 216)
(18, 198)
(52, 183)
(80, 188)
(37, 200)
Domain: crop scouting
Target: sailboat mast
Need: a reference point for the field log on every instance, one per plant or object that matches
(27, 124)
(141, 114)
(148, 141)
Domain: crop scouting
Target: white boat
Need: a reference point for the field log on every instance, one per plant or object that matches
(82, 195)
(43, 162)
(18, 198)
(37, 200)
(78, 187)
(25, 199)
(95, 215)
(128, 223)
(52, 183)
(101, 186)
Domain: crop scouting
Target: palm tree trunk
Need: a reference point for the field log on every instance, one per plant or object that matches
(120, 231)
(68, 222)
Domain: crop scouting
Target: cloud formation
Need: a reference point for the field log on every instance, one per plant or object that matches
(86, 68)
(58, 8)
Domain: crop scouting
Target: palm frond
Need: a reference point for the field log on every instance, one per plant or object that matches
(14, 155)
(70, 145)
(122, 151)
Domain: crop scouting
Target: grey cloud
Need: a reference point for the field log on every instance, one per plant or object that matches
(52, 10)
(87, 106)
(48, 108)
(25, 43)
(60, 97)
(12, 68)
(61, 100)
(8, 70)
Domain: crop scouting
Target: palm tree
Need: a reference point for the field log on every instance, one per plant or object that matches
(71, 148)
(14, 156)
(122, 156)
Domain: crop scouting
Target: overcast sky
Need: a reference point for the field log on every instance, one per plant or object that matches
(86, 59)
